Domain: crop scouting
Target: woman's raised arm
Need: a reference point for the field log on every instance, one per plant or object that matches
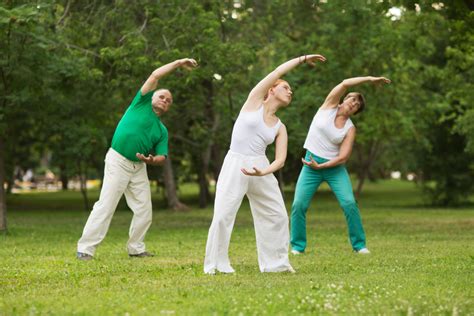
(257, 94)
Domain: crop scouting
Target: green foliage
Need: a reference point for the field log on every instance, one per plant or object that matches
(70, 69)
(447, 158)
(460, 65)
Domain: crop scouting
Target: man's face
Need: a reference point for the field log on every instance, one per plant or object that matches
(161, 101)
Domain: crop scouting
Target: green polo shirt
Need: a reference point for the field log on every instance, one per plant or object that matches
(140, 130)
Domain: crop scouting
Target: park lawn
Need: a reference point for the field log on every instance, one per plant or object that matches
(422, 261)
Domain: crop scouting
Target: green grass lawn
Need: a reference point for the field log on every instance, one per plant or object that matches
(422, 261)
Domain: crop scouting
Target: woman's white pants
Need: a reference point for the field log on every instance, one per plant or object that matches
(268, 211)
(121, 176)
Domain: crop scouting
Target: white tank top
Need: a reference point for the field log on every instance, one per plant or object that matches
(251, 135)
(324, 138)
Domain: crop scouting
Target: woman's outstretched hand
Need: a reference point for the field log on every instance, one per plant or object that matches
(313, 164)
(380, 80)
(256, 172)
(312, 59)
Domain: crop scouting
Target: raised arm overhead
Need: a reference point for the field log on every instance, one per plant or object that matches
(256, 96)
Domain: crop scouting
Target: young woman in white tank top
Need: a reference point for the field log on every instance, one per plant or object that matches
(247, 171)
(329, 145)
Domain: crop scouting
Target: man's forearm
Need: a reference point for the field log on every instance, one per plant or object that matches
(164, 70)
(158, 160)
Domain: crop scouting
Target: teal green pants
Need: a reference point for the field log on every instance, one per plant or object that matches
(340, 183)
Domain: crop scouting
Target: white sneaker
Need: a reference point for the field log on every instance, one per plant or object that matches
(364, 251)
(296, 252)
(214, 272)
(291, 270)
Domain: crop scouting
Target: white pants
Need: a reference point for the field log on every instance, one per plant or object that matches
(268, 211)
(120, 176)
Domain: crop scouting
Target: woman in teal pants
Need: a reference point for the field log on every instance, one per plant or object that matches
(328, 146)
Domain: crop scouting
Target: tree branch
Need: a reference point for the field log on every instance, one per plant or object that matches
(140, 30)
(185, 140)
(166, 41)
(66, 12)
(44, 40)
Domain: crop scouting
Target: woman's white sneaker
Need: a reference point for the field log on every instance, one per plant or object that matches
(363, 251)
(296, 252)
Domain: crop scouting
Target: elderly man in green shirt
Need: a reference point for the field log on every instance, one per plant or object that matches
(139, 132)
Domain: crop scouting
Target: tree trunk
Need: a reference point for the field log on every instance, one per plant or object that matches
(10, 184)
(3, 202)
(9, 179)
(64, 183)
(64, 178)
(83, 184)
(366, 165)
(170, 188)
(360, 182)
(217, 160)
(204, 195)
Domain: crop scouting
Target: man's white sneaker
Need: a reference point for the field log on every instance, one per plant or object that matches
(363, 251)
(296, 252)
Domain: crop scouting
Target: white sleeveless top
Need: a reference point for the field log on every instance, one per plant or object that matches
(324, 138)
(251, 135)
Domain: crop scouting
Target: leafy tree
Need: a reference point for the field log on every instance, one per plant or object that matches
(23, 61)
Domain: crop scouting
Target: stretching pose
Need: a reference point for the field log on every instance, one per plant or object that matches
(247, 171)
(328, 147)
(139, 132)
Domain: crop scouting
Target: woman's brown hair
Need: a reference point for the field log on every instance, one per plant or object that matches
(359, 98)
